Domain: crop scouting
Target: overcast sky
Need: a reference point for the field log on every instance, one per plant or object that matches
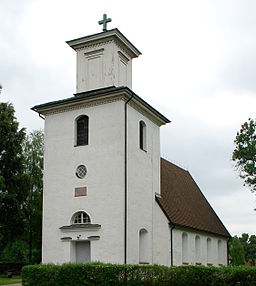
(198, 68)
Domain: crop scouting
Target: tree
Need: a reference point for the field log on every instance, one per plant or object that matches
(236, 252)
(33, 161)
(244, 239)
(12, 179)
(249, 246)
(252, 248)
(245, 153)
(15, 251)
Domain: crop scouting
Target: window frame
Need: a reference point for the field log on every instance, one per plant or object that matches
(142, 135)
(184, 248)
(197, 249)
(209, 255)
(81, 216)
(220, 250)
(85, 137)
(144, 246)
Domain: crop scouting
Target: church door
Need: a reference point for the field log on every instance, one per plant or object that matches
(83, 251)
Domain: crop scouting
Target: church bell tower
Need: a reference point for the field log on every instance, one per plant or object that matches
(101, 160)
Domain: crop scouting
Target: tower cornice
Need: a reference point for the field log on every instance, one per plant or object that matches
(98, 97)
(98, 38)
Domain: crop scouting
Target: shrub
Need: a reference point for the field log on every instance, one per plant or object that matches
(113, 274)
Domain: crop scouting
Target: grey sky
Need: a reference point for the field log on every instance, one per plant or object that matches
(198, 68)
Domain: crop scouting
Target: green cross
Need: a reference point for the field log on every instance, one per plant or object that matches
(104, 22)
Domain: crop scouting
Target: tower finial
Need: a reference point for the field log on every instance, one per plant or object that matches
(104, 22)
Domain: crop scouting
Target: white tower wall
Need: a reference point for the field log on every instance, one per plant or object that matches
(104, 159)
(143, 182)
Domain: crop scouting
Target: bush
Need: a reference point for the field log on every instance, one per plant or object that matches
(111, 274)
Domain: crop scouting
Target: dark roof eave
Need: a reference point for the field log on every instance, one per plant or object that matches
(204, 230)
(186, 226)
(77, 97)
(93, 93)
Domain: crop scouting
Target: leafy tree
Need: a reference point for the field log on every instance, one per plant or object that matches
(33, 154)
(21, 165)
(12, 179)
(244, 239)
(252, 248)
(236, 252)
(245, 153)
(249, 246)
(15, 252)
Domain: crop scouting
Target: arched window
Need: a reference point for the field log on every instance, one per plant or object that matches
(197, 249)
(184, 248)
(81, 217)
(82, 130)
(209, 251)
(143, 246)
(219, 252)
(143, 135)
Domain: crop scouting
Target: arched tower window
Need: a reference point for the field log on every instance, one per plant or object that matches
(142, 135)
(184, 248)
(197, 249)
(82, 130)
(80, 217)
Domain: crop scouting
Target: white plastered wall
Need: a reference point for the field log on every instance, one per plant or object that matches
(104, 159)
(143, 182)
(216, 257)
(162, 237)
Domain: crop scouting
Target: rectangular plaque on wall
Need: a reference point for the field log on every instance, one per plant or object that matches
(79, 192)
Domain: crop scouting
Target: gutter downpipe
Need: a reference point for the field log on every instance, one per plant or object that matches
(125, 179)
(172, 227)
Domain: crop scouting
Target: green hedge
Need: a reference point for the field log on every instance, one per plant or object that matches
(109, 274)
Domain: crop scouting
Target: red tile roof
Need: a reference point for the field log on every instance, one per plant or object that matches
(184, 204)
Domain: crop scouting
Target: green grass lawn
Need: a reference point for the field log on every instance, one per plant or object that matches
(4, 280)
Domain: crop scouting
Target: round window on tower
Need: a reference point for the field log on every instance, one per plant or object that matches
(81, 171)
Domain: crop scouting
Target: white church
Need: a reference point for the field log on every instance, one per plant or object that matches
(108, 195)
